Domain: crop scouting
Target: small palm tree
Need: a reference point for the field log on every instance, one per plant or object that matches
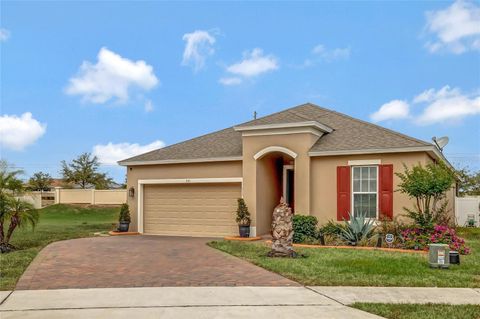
(10, 186)
(21, 214)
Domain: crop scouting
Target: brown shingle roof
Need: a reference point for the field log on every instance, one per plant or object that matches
(349, 134)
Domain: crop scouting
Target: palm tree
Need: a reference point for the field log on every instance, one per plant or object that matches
(10, 185)
(21, 214)
(14, 212)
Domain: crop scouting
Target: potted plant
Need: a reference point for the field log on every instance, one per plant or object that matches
(124, 218)
(243, 218)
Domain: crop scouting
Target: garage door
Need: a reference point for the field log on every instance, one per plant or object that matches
(191, 209)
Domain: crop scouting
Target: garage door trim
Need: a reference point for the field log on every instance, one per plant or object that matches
(142, 182)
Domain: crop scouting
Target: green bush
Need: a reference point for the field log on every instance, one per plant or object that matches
(304, 228)
(331, 228)
(124, 215)
(427, 186)
(243, 215)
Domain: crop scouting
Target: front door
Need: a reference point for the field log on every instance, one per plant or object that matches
(288, 186)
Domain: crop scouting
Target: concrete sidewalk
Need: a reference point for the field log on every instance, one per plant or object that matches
(350, 295)
(220, 302)
(176, 302)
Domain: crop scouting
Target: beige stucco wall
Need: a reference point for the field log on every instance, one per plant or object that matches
(187, 170)
(90, 196)
(75, 196)
(252, 173)
(315, 177)
(324, 180)
(110, 196)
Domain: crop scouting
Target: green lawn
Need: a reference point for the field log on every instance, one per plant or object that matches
(57, 222)
(427, 311)
(349, 267)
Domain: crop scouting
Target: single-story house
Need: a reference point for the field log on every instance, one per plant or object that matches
(322, 162)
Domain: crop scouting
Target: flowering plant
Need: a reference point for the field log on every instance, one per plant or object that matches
(418, 238)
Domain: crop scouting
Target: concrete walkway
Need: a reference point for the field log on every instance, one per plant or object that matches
(176, 302)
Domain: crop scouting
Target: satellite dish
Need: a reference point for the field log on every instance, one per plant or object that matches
(440, 142)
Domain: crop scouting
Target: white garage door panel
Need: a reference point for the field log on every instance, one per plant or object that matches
(191, 209)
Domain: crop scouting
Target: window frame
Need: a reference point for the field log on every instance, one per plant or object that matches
(352, 203)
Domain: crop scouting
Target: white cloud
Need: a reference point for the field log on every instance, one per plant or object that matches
(446, 104)
(17, 132)
(111, 77)
(456, 28)
(112, 153)
(331, 54)
(254, 63)
(4, 34)
(149, 106)
(199, 45)
(392, 110)
(230, 81)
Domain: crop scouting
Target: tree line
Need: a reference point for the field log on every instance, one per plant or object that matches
(82, 171)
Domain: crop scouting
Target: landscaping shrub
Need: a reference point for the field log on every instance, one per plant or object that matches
(331, 228)
(427, 186)
(304, 228)
(418, 238)
(124, 215)
(392, 226)
(243, 215)
(358, 228)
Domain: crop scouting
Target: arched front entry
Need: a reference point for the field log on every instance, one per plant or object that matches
(275, 170)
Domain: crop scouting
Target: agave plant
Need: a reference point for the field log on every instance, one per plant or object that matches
(357, 228)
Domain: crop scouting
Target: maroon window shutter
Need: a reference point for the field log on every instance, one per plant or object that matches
(343, 192)
(385, 190)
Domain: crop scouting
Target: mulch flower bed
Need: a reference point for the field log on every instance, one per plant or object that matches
(242, 238)
(399, 250)
(128, 233)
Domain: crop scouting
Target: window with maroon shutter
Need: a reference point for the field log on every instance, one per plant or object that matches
(365, 190)
(385, 191)
(343, 192)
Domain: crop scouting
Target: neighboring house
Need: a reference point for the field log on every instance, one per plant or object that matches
(59, 182)
(322, 162)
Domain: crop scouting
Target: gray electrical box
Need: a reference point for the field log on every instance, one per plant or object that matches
(439, 255)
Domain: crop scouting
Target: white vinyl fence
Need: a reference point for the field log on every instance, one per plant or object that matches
(465, 208)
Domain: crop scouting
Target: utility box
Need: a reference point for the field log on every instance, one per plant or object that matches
(439, 255)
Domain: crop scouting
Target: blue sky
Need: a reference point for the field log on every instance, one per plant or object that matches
(118, 78)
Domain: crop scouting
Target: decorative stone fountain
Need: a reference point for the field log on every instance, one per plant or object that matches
(282, 231)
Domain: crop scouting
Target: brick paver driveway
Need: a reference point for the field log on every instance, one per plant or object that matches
(141, 261)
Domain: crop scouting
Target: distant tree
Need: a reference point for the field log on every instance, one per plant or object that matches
(468, 182)
(83, 171)
(124, 184)
(40, 181)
